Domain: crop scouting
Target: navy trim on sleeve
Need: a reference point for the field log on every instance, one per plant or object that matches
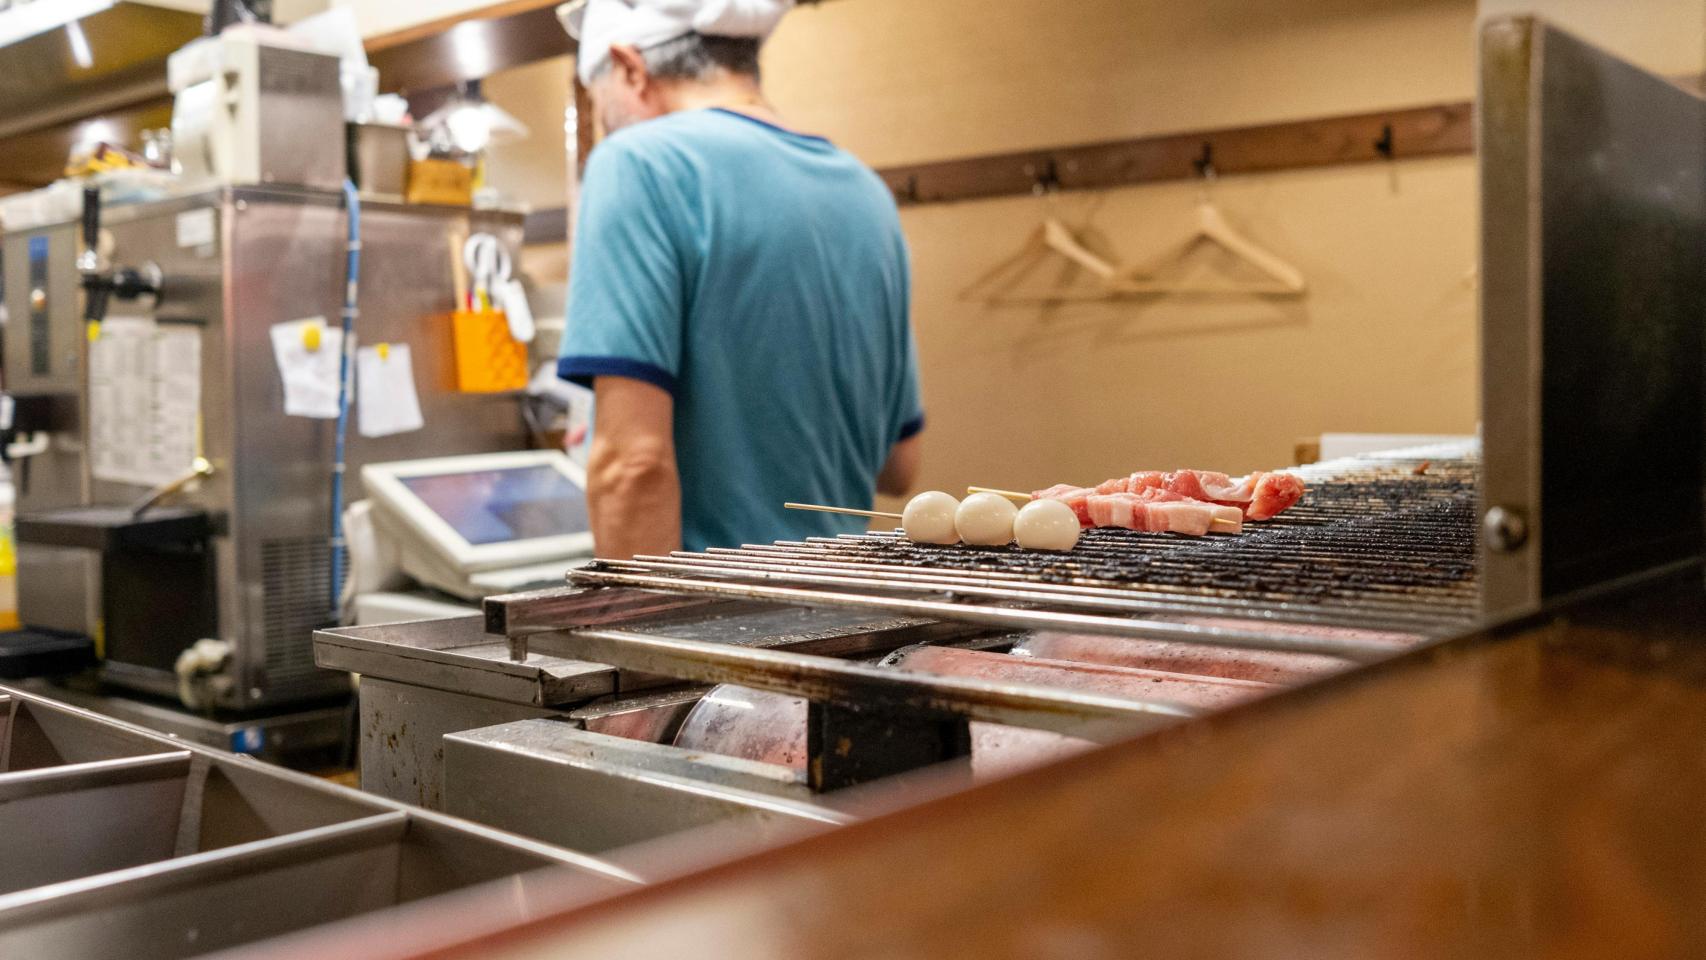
(582, 370)
(911, 428)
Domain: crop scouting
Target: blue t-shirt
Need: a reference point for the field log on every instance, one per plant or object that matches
(760, 276)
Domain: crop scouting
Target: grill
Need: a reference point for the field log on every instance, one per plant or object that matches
(1380, 553)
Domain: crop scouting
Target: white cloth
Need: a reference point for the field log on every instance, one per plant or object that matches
(598, 24)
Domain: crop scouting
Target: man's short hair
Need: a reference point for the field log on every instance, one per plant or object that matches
(697, 56)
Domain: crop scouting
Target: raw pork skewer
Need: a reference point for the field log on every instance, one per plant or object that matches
(1262, 496)
(1153, 510)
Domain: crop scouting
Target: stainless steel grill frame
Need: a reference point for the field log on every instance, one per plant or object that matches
(1377, 556)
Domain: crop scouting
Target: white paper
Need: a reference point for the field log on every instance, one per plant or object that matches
(385, 389)
(144, 401)
(195, 227)
(310, 376)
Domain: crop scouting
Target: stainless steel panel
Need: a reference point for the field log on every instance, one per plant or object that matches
(43, 304)
(402, 726)
(279, 467)
(290, 734)
(213, 900)
(59, 588)
(861, 687)
(456, 654)
(591, 792)
(43, 736)
(441, 854)
(68, 822)
(381, 155)
(242, 802)
(1593, 186)
(300, 127)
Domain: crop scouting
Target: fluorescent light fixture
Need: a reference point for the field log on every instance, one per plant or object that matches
(96, 131)
(79, 44)
(470, 47)
(30, 19)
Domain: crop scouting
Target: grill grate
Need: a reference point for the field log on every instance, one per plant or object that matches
(1380, 551)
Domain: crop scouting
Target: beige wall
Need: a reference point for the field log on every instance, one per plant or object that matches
(899, 81)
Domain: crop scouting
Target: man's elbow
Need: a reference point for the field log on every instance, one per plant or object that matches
(631, 473)
(897, 484)
(900, 473)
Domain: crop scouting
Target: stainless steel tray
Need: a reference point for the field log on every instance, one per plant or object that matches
(117, 841)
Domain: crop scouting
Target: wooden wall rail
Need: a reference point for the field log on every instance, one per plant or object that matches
(1438, 130)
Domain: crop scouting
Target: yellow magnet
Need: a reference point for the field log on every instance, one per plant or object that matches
(384, 351)
(311, 337)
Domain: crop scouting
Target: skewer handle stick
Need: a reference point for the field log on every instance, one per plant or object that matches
(876, 514)
(1009, 494)
(1223, 522)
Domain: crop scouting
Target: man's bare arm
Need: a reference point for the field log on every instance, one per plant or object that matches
(633, 487)
(901, 470)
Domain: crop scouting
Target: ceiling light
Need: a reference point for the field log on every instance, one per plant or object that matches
(79, 44)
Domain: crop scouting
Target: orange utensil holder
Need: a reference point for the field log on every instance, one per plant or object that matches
(488, 359)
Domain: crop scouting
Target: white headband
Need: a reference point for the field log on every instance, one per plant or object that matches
(598, 24)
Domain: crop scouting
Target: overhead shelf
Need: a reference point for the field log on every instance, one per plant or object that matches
(46, 83)
(48, 89)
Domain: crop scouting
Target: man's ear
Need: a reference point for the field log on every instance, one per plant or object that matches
(625, 57)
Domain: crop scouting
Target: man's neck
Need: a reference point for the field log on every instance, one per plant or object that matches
(728, 92)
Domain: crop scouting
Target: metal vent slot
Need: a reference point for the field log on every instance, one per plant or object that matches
(295, 582)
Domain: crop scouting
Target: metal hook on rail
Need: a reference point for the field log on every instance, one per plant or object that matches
(1046, 180)
(1383, 146)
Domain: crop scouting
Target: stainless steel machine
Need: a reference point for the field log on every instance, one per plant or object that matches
(243, 556)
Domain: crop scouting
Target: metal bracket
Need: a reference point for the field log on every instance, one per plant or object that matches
(846, 747)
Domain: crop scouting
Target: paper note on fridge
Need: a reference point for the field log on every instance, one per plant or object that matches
(307, 352)
(386, 401)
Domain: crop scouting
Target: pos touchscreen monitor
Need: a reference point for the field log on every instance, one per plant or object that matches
(491, 510)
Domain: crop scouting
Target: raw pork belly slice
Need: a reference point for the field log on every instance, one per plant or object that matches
(1151, 509)
(1262, 496)
(1070, 495)
(1167, 513)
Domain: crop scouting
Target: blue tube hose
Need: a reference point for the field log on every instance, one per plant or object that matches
(352, 284)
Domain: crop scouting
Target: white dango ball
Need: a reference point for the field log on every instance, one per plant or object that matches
(1046, 525)
(929, 518)
(986, 520)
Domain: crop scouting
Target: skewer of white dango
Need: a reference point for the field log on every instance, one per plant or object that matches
(985, 520)
(928, 518)
(1046, 525)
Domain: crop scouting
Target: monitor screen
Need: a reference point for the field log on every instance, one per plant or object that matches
(498, 506)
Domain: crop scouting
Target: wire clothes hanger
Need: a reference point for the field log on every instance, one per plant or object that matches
(1283, 279)
(1051, 239)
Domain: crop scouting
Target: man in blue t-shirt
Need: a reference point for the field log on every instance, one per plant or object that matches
(738, 295)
